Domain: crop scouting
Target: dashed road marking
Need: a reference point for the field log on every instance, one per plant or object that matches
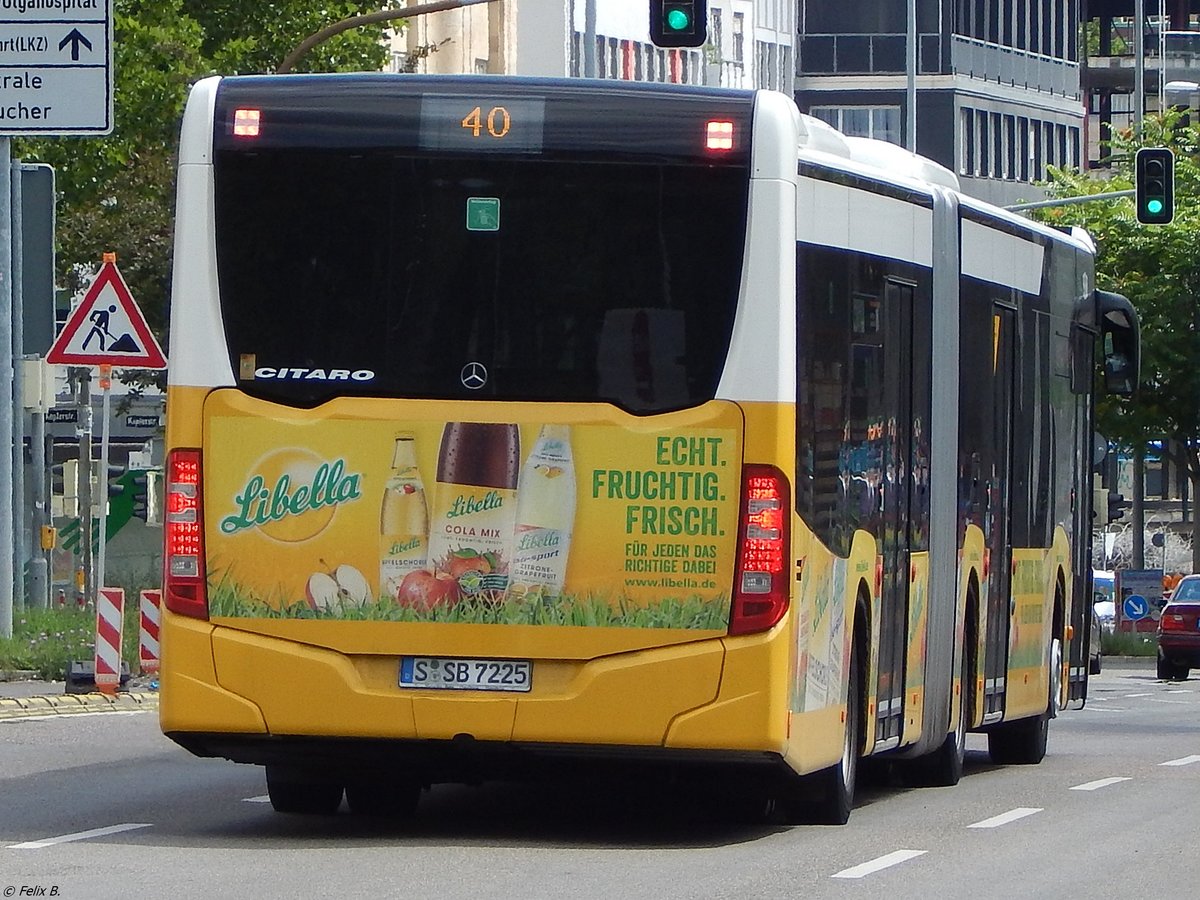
(882, 862)
(1004, 818)
(77, 836)
(1099, 783)
(1182, 761)
(262, 798)
(1147, 694)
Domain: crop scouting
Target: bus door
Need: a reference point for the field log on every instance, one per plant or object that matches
(897, 316)
(997, 521)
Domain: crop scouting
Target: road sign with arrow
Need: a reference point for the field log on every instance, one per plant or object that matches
(56, 68)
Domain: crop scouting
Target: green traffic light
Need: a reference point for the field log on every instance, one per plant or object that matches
(1154, 206)
(677, 20)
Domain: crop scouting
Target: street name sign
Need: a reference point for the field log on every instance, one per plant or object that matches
(56, 72)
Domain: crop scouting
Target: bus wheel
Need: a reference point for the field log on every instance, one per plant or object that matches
(1023, 742)
(834, 787)
(295, 790)
(944, 766)
(394, 797)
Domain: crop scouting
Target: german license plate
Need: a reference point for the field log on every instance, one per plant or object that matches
(443, 673)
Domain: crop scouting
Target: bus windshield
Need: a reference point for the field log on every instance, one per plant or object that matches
(386, 271)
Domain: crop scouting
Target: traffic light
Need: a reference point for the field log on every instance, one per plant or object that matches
(141, 503)
(1117, 504)
(679, 23)
(1154, 169)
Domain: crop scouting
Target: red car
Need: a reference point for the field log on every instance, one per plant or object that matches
(1179, 631)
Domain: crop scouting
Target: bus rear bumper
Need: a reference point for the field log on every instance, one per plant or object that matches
(467, 761)
(708, 695)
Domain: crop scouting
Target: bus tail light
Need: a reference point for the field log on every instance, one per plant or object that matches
(761, 589)
(184, 579)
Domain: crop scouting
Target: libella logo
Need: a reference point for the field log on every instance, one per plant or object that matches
(291, 495)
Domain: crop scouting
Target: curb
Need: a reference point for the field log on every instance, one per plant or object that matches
(74, 704)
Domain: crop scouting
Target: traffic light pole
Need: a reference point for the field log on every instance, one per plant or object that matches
(1070, 201)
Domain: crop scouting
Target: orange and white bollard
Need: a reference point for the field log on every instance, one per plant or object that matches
(110, 607)
(148, 651)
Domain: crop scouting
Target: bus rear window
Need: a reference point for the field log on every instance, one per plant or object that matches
(404, 274)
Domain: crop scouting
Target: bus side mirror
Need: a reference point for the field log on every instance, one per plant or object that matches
(1120, 341)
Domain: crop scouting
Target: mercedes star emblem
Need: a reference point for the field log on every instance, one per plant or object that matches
(473, 375)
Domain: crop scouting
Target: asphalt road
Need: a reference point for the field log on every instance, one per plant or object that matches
(101, 805)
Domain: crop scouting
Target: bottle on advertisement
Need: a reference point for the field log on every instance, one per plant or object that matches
(403, 519)
(545, 515)
(475, 505)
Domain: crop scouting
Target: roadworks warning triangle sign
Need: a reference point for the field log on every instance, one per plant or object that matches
(107, 328)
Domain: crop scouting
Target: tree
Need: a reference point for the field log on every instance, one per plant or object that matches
(116, 193)
(1158, 269)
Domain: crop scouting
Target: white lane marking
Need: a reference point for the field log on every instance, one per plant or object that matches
(1180, 691)
(261, 798)
(1090, 708)
(1004, 818)
(1173, 702)
(1138, 695)
(1100, 783)
(882, 862)
(77, 836)
(1182, 761)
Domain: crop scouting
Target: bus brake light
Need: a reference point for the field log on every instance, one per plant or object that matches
(719, 135)
(245, 122)
(761, 590)
(184, 586)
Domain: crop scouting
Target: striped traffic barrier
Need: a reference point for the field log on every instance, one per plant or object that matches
(110, 607)
(150, 604)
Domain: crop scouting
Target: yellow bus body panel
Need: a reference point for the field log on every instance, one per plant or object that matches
(190, 697)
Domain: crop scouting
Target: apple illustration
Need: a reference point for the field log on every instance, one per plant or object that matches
(344, 585)
(321, 591)
(423, 590)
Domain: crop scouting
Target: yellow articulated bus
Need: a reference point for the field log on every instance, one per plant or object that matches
(517, 424)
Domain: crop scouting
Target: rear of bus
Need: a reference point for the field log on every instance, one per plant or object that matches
(474, 459)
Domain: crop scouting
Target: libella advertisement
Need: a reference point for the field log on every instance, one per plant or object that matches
(539, 522)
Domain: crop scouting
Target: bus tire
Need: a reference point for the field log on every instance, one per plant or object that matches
(833, 788)
(302, 791)
(1023, 742)
(944, 766)
(390, 797)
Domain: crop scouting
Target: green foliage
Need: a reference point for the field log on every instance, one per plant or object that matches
(116, 193)
(1158, 269)
(47, 641)
(1124, 643)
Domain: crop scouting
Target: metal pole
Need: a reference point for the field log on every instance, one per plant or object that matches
(20, 534)
(105, 384)
(84, 430)
(1162, 66)
(1070, 201)
(911, 68)
(589, 38)
(1139, 64)
(39, 581)
(6, 399)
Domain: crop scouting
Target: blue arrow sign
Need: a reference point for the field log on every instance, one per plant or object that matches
(1135, 607)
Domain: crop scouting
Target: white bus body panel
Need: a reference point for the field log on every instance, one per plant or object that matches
(199, 354)
(761, 364)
